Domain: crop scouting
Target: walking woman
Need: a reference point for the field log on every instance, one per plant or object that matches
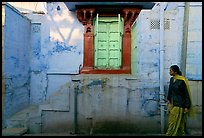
(179, 103)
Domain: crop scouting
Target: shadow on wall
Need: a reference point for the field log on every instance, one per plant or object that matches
(65, 23)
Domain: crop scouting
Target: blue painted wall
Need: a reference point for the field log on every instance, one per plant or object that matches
(57, 48)
(16, 61)
(56, 53)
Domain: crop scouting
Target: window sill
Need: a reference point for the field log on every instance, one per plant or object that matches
(90, 70)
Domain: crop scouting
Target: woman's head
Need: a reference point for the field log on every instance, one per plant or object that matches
(174, 69)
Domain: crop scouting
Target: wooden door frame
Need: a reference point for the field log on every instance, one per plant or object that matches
(85, 16)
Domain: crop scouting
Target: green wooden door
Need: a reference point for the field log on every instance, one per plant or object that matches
(134, 51)
(108, 33)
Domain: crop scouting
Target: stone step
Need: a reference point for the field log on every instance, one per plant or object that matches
(51, 134)
(21, 118)
(14, 131)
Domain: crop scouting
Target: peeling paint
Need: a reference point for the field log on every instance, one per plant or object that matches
(95, 82)
(36, 51)
(101, 82)
(61, 47)
(153, 50)
(15, 61)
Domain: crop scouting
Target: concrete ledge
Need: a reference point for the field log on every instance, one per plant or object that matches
(14, 131)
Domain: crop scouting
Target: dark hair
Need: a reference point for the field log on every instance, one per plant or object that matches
(175, 68)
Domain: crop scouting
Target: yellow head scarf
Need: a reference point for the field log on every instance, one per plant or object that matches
(191, 111)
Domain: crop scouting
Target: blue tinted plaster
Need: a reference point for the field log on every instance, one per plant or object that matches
(61, 47)
(16, 61)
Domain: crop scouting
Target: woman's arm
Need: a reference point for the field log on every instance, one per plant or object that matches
(186, 96)
(169, 95)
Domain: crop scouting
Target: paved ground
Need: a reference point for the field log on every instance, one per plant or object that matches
(192, 133)
(22, 132)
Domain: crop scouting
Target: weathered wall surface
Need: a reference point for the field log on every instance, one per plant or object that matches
(100, 101)
(57, 47)
(105, 103)
(194, 48)
(16, 61)
(118, 104)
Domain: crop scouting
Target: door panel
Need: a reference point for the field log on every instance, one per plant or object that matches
(108, 42)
